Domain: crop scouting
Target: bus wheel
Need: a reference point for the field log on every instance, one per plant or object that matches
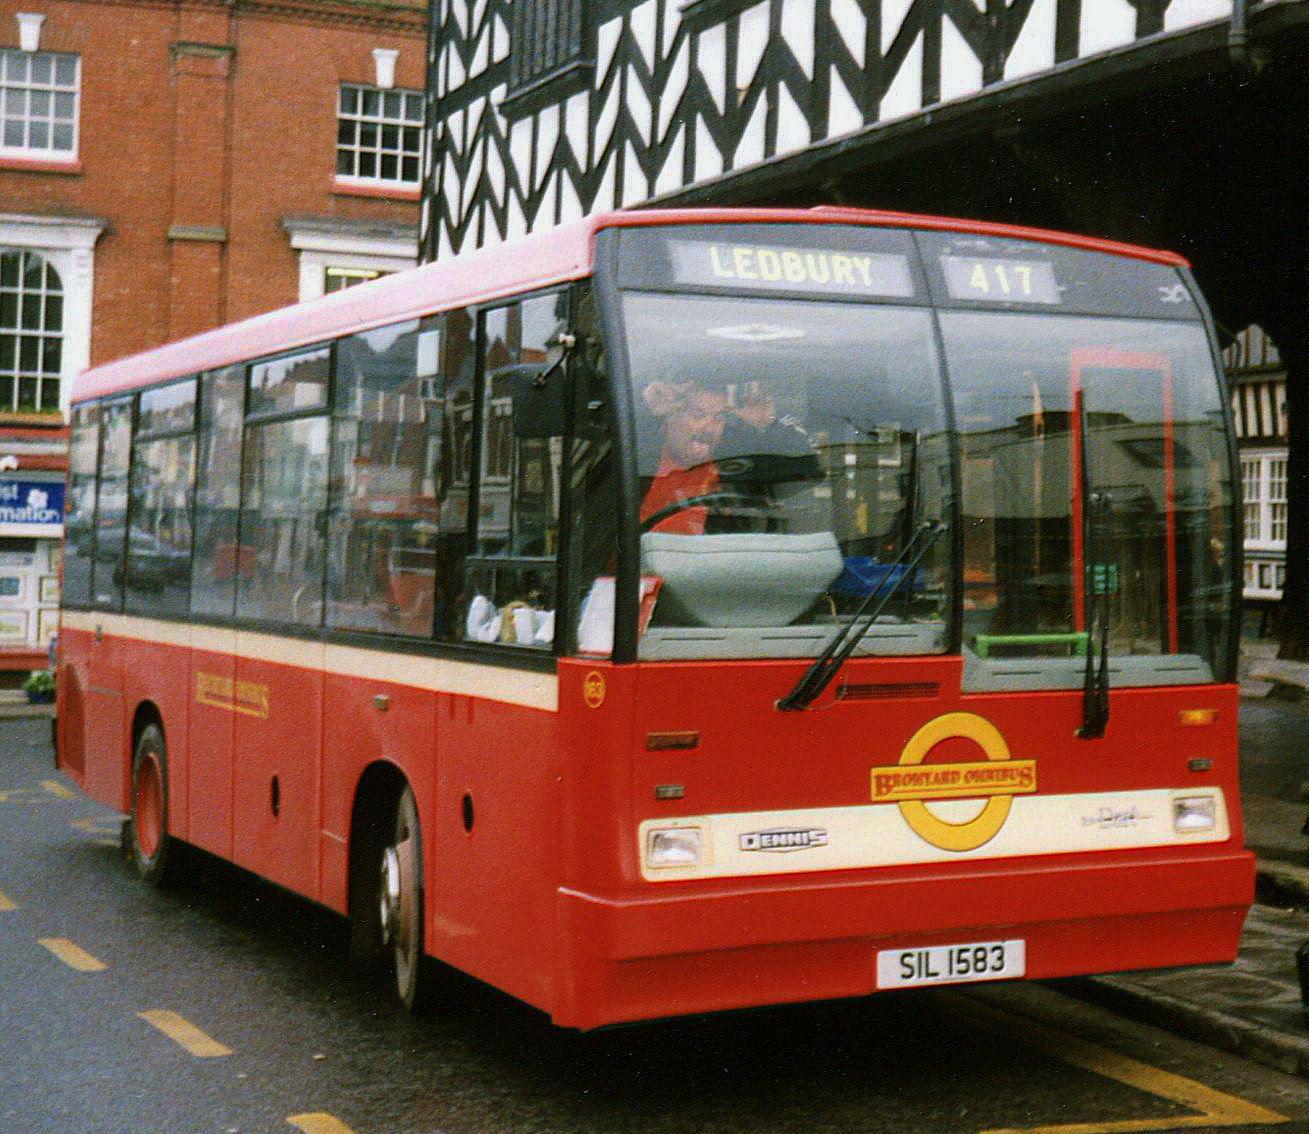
(401, 897)
(150, 844)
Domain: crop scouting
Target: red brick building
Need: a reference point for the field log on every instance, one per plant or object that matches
(165, 167)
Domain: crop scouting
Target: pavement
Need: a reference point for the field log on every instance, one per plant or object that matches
(14, 703)
(1253, 1007)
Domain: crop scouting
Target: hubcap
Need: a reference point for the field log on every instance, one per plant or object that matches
(390, 894)
(149, 808)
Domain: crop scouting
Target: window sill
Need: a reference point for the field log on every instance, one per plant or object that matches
(379, 192)
(45, 419)
(31, 165)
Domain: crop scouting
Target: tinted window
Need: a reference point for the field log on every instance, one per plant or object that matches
(111, 502)
(792, 462)
(381, 571)
(219, 556)
(159, 531)
(79, 524)
(158, 555)
(456, 458)
(1095, 493)
(593, 531)
(292, 384)
(167, 409)
(510, 584)
(283, 508)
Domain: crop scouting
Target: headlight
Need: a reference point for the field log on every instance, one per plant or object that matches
(1193, 813)
(673, 846)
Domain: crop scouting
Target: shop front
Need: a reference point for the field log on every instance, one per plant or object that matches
(31, 530)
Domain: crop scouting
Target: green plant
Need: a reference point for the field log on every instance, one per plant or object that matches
(40, 681)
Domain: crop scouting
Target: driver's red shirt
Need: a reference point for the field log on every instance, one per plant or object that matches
(672, 483)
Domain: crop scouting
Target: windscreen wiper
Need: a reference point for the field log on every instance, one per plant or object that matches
(1095, 680)
(819, 675)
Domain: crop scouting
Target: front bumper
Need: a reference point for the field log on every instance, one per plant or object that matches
(673, 950)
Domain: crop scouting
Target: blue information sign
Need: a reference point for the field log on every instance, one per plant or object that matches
(31, 502)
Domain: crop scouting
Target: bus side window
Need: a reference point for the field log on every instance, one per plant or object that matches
(381, 563)
(79, 525)
(111, 503)
(511, 582)
(454, 465)
(218, 556)
(593, 523)
(158, 569)
(284, 489)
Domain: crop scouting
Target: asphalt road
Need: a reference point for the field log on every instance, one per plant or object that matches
(226, 1005)
(1274, 760)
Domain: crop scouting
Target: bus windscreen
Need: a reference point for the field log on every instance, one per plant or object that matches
(806, 399)
(1093, 464)
(793, 447)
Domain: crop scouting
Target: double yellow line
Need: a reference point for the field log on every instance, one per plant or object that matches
(1214, 1108)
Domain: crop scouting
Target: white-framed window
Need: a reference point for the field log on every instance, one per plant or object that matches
(1263, 487)
(334, 253)
(31, 332)
(338, 279)
(379, 136)
(47, 270)
(1264, 579)
(38, 105)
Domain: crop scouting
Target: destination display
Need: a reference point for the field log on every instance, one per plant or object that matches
(992, 278)
(977, 271)
(861, 263)
(772, 266)
(832, 262)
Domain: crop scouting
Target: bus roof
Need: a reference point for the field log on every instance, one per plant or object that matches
(535, 261)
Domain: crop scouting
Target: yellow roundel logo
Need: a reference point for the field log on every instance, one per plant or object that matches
(593, 689)
(911, 783)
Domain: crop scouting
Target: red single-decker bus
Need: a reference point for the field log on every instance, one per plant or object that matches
(684, 610)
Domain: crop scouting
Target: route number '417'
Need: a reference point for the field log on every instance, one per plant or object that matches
(991, 279)
(951, 964)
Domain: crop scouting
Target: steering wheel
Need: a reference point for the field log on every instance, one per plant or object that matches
(718, 503)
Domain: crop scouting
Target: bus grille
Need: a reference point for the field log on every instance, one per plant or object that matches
(887, 691)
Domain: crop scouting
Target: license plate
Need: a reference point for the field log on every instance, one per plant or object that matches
(951, 964)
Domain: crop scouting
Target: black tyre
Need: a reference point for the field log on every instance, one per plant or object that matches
(149, 842)
(400, 896)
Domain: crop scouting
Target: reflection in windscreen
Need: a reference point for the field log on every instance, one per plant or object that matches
(787, 453)
(1095, 495)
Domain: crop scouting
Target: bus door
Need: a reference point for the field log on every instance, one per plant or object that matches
(1124, 500)
(215, 569)
(278, 691)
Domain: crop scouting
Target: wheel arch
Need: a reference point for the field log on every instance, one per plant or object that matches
(371, 814)
(147, 712)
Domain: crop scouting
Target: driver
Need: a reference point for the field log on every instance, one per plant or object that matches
(698, 426)
(693, 418)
